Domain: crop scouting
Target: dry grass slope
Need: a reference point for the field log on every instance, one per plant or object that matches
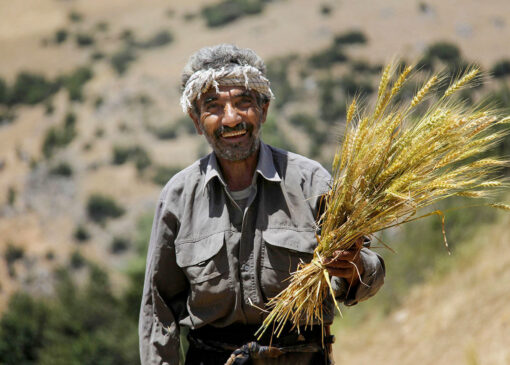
(462, 318)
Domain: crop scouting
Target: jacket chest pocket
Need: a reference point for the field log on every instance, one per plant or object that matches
(204, 259)
(282, 252)
(205, 264)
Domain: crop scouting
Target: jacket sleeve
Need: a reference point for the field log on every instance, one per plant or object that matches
(371, 280)
(164, 294)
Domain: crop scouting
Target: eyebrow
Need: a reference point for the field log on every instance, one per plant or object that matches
(245, 93)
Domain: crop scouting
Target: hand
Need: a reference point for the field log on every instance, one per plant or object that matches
(347, 264)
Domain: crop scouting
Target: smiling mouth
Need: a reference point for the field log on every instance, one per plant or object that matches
(233, 134)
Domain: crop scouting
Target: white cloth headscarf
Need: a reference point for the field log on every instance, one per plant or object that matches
(201, 81)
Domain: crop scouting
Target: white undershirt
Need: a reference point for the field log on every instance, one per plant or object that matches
(241, 196)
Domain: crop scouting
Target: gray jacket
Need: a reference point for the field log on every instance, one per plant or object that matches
(211, 263)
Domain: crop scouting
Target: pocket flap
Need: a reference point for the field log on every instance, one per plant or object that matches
(191, 253)
(300, 241)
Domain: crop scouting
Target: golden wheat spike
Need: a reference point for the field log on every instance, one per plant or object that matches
(456, 86)
(400, 81)
(385, 78)
(500, 206)
(351, 111)
(420, 95)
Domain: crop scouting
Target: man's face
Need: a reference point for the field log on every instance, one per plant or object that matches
(230, 121)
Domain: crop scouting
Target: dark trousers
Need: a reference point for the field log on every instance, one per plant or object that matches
(238, 335)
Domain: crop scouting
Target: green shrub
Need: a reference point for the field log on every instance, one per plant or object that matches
(7, 117)
(50, 255)
(81, 324)
(98, 102)
(21, 327)
(305, 121)
(501, 68)
(84, 40)
(277, 73)
(186, 125)
(62, 169)
(127, 36)
(97, 55)
(227, 11)
(144, 99)
(75, 17)
(352, 86)
(188, 17)
(351, 37)
(326, 9)
(3, 91)
(61, 36)
(362, 66)
(162, 174)
(77, 260)
(331, 107)
(119, 245)
(13, 253)
(11, 196)
(102, 26)
(31, 88)
(424, 7)
(58, 137)
(136, 154)
(75, 81)
(81, 234)
(49, 108)
(165, 132)
(327, 57)
(445, 51)
(273, 135)
(120, 60)
(159, 39)
(99, 132)
(172, 130)
(101, 207)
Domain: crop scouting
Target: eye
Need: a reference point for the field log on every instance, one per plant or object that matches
(245, 102)
(211, 107)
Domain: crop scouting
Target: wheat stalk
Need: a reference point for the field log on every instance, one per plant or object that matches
(392, 164)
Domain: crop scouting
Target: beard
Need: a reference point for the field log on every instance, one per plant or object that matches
(234, 151)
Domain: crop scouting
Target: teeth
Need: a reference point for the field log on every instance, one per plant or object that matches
(233, 134)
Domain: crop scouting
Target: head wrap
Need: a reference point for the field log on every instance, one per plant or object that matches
(201, 81)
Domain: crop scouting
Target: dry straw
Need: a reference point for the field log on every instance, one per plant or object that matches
(391, 164)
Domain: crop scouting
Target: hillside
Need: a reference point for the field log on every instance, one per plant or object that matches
(460, 318)
(91, 128)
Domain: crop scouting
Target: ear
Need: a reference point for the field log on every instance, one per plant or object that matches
(196, 121)
(265, 107)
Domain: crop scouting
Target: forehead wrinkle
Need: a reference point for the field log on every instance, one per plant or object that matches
(235, 92)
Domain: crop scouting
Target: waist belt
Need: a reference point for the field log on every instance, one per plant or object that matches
(241, 354)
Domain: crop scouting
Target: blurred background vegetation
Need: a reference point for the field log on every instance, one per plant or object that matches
(90, 131)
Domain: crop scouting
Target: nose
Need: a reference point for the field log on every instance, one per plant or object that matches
(231, 117)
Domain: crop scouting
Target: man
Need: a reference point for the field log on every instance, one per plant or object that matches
(230, 229)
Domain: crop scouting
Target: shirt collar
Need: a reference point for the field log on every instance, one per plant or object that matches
(265, 167)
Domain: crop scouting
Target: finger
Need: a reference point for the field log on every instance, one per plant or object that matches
(341, 273)
(345, 255)
(339, 264)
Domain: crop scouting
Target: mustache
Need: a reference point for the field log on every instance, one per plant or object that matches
(226, 129)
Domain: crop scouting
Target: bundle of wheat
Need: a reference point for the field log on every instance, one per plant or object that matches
(391, 164)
